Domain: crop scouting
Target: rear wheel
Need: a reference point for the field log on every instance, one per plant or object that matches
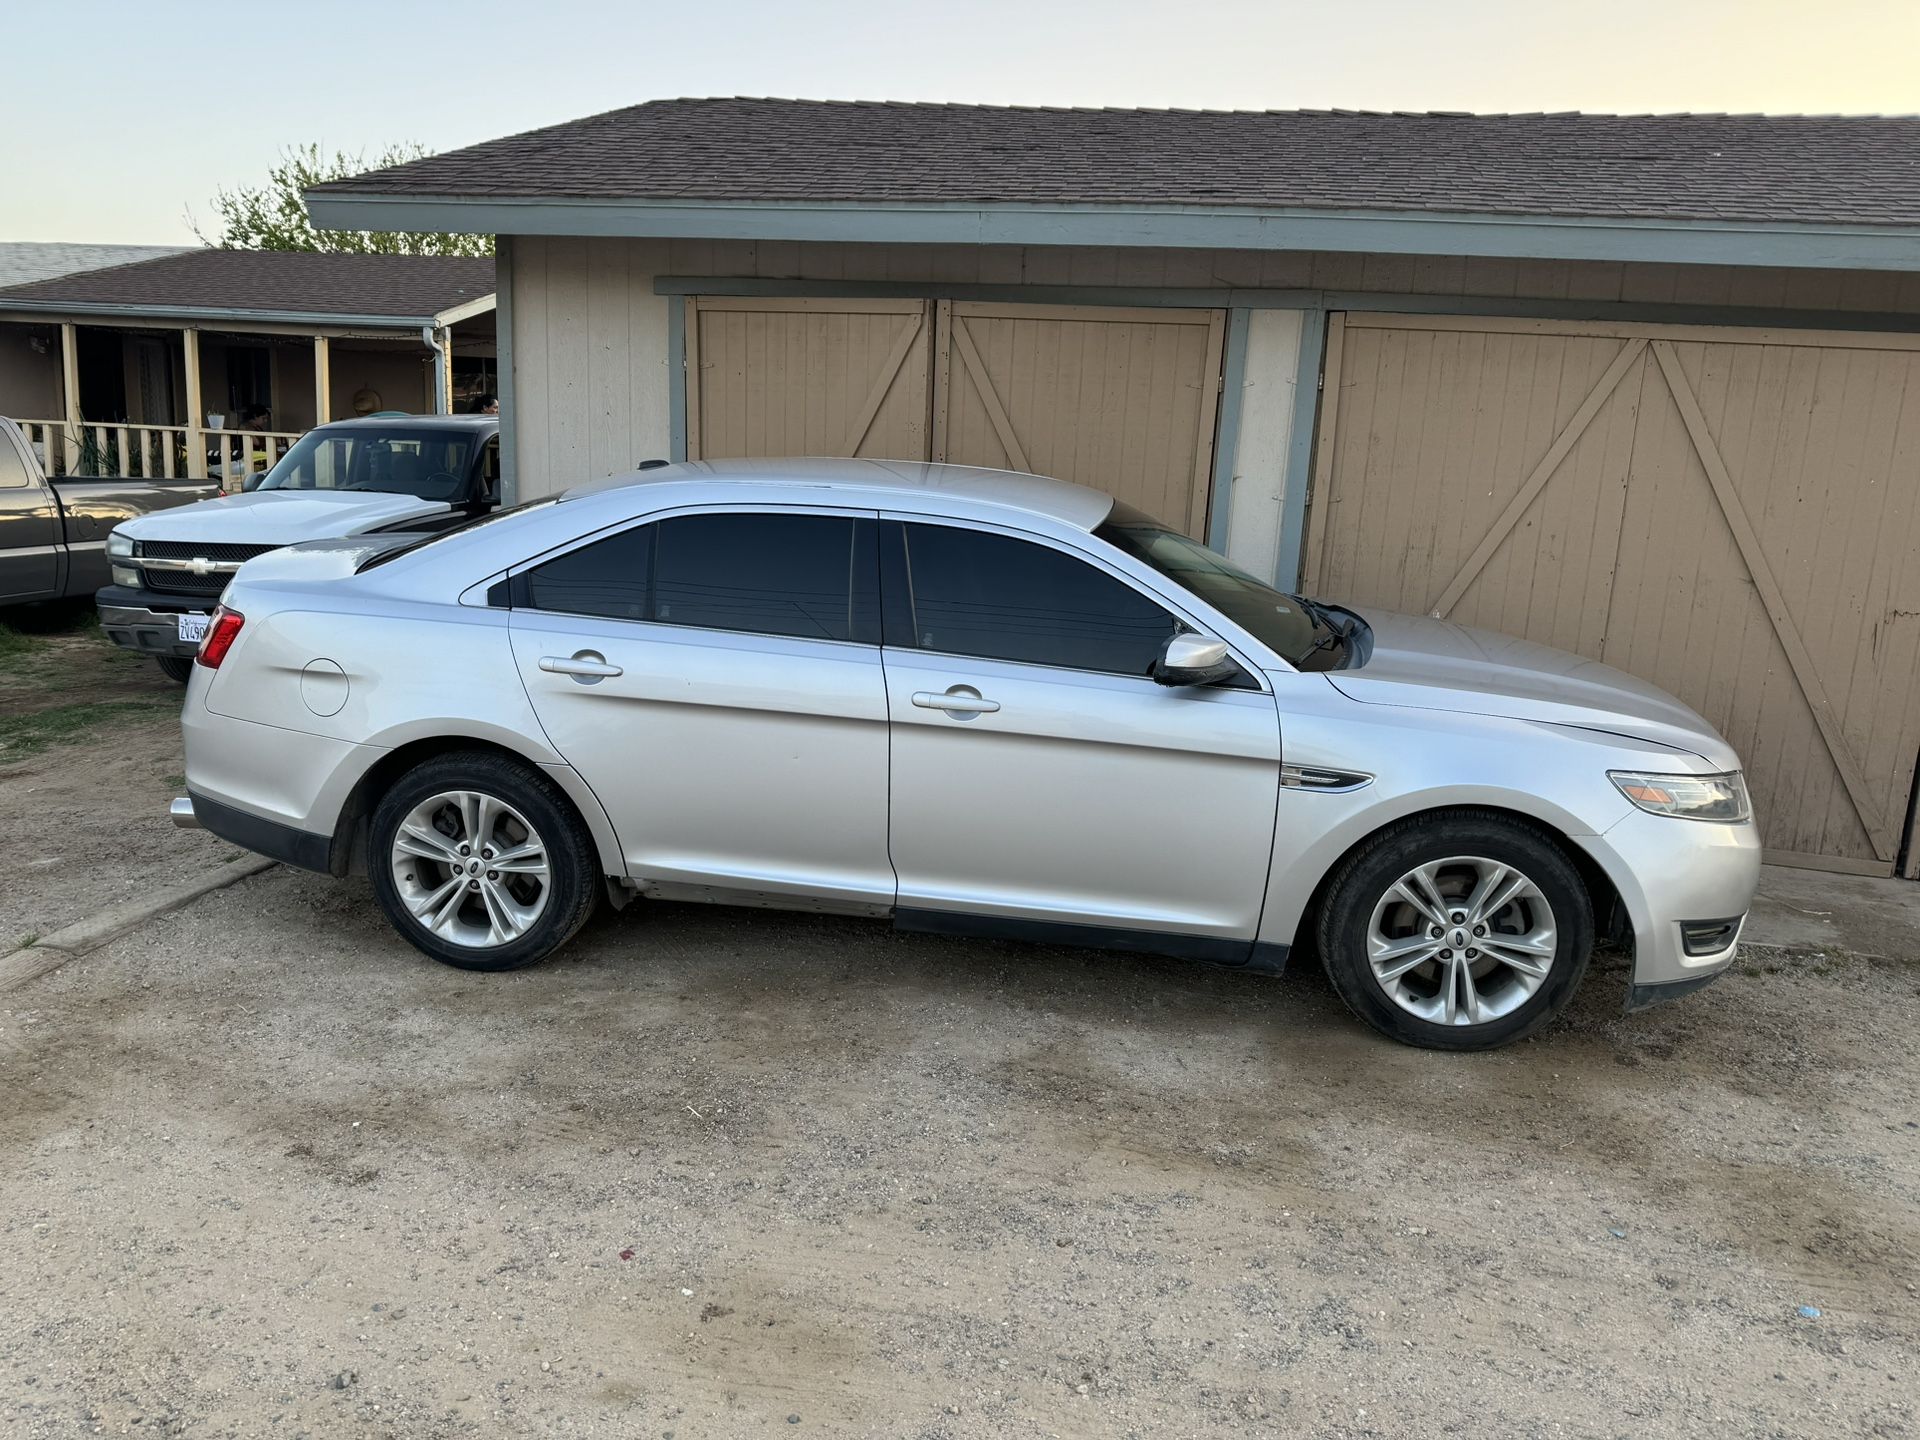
(174, 668)
(1457, 932)
(481, 862)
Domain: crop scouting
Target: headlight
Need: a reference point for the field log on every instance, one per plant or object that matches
(119, 546)
(126, 575)
(1689, 797)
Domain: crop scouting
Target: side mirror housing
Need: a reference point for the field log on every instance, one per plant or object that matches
(252, 482)
(1192, 659)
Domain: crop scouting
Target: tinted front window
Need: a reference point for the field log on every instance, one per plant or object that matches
(975, 593)
(769, 574)
(1277, 620)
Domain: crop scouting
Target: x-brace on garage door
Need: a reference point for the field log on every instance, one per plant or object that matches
(1121, 399)
(1732, 514)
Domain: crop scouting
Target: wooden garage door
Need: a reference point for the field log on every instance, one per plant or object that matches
(1732, 514)
(807, 377)
(1119, 399)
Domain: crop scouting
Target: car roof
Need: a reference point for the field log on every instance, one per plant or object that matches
(888, 484)
(416, 422)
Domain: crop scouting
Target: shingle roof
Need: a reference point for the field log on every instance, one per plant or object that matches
(410, 288)
(24, 261)
(1845, 169)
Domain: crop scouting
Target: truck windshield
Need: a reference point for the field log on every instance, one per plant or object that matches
(1279, 621)
(422, 463)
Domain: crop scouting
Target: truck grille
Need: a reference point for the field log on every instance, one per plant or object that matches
(185, 582)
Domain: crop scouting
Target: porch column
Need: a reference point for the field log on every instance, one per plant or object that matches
(196, 420)
(322, 381)
(70, 386)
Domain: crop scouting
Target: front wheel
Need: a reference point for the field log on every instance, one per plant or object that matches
(480, 862)
(1457, 932)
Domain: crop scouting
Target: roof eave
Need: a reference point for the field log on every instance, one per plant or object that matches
(1794, 245)
(240, 319)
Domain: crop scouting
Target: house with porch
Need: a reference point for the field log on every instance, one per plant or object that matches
(1645, 388)
(150, 367)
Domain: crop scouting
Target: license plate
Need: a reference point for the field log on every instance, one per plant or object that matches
(193, 628)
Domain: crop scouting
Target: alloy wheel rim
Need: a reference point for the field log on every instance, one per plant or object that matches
(470, 869)
(1462, 941)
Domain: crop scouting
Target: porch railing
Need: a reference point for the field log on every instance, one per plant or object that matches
(154, 452)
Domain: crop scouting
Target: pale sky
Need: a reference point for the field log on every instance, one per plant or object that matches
(118, 119)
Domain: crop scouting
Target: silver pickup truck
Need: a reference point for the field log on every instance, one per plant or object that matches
(413, 473)
(53, 533)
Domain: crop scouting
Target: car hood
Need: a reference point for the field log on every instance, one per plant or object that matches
(1436, 665)
(281, 517)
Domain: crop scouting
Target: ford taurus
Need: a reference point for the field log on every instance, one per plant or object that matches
(973, 702)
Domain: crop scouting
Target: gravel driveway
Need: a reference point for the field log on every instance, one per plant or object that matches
(264, 1170)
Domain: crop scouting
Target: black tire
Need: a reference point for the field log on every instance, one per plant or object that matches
(1364, 880)
(573, 865)
(174, 668)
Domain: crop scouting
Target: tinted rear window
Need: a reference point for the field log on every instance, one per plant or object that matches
(768, 574)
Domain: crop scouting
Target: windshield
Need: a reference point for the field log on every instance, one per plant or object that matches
(426, 464)
(1283, 623)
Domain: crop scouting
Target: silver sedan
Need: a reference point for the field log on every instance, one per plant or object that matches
(972, 702)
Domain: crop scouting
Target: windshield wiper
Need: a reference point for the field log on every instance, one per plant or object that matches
(1337, 634)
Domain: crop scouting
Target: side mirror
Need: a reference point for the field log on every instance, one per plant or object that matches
(252, 482)
(1192, 659)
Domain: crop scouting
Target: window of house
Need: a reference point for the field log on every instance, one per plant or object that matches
(770, 574)
(992, 596)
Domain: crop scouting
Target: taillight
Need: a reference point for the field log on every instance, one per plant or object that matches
(222, 631)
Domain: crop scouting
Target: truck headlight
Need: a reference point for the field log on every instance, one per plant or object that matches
(1688, 797)
(126, 575)
(119, 547)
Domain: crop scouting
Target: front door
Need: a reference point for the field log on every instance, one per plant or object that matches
(715, 677)
(1039, 774)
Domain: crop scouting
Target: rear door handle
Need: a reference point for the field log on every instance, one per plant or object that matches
(586, 666)
(960, 700)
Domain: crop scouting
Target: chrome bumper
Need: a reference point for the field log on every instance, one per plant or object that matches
(181, 813)
(149, 632)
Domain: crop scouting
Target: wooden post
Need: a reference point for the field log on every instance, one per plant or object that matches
(322, 381)
(196, 420)
(70, 383)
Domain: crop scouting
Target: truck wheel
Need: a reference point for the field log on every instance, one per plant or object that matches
(1457, 932)
(481, 862)
(174, 668)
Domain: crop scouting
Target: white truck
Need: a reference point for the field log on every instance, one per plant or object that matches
(414, 473)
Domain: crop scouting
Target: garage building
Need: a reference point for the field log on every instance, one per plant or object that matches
(1645, 388)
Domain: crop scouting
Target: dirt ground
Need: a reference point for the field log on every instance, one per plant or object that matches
(266, 1171)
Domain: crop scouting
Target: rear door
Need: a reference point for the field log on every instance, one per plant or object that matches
(1039, 774)
(715, 676)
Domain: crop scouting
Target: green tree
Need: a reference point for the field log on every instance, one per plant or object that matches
(274, 216)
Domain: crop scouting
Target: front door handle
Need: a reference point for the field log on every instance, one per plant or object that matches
(586, 666)
(960, 700)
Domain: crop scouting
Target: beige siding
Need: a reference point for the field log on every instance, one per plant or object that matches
(1295, 269)
(30, 379)
(401, 375)
(1732, 515)
(1123, 400)
(589, 348)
